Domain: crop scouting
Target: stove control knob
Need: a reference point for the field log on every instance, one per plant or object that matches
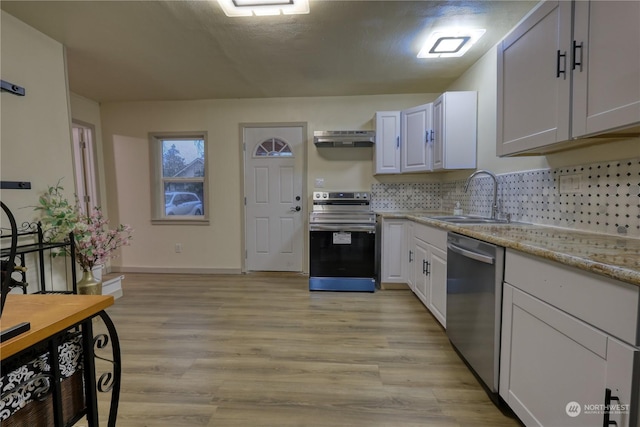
(364, 195)
(325, 195)
(357, 195)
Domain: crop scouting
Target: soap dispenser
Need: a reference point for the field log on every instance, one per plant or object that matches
(457, 210)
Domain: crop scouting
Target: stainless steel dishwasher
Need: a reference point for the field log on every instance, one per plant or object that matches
(475, 270)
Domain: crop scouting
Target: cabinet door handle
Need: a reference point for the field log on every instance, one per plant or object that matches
(607, 402)
(577, 46)
(426, 136)
(564, 68)
(424, 266)
(410, 256)
(428, 269)
(397, 141)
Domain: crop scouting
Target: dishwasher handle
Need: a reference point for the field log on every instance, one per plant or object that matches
(470, 254)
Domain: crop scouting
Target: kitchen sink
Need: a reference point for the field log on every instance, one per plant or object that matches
(469, 219)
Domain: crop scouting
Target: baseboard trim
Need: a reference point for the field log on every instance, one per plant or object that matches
(394, 286)
(175, 270)
(115, 293)
(113, 287)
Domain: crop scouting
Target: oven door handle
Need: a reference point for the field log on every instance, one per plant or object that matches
(470, 254)
(343, 227)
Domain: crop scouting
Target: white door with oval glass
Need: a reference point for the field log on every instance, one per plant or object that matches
(273, 198)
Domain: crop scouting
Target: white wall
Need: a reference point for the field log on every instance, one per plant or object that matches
(35, 134)
(482, 77)
(36, 147)
(217, 247)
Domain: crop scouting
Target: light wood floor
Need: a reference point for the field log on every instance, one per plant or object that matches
(261, 350)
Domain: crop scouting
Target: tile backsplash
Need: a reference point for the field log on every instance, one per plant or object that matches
(406, 196)
(601, 197)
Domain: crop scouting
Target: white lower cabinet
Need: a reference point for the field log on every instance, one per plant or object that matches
(410, 258)
(416, 254)
(393, 263)
(437, 298)
(556, 367)
(430, 269)
(421, 287)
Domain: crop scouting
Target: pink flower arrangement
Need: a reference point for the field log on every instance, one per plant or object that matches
(95, 242)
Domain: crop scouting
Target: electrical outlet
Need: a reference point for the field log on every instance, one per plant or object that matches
(319, 182)
(178, 248)
(570, 184)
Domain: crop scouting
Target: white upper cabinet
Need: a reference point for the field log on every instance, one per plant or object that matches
(533, 80)
(430, 137)
(606, 66)
(417, 138)
(455, 130)
(387, 150)
(556, 84)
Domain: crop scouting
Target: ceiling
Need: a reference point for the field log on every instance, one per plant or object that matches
(122, 50)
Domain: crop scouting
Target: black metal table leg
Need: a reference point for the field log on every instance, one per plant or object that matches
(89, 373)
(56, 389)
(110, 381)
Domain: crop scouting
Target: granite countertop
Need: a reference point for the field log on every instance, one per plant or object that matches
(611, 256)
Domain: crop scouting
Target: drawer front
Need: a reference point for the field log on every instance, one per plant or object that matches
(610, 305)
(432, 235)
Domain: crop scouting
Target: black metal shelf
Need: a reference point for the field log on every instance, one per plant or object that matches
(39, 247)
(35, 247)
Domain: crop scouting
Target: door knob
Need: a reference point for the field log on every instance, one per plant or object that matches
(296, 209)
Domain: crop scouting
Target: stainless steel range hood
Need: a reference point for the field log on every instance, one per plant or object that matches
(344, 138)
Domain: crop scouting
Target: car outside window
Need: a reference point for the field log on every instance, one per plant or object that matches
(179, 177)
(182, 204)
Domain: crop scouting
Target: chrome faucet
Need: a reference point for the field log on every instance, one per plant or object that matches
(494, 206)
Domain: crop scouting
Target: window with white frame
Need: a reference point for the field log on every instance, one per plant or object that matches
(179, 168)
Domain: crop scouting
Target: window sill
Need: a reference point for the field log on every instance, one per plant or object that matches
(179, 221)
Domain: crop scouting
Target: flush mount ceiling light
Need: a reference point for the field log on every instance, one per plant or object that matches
(448, 44)
(264, 7)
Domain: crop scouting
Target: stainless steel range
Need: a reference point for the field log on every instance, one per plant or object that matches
(342, 236)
